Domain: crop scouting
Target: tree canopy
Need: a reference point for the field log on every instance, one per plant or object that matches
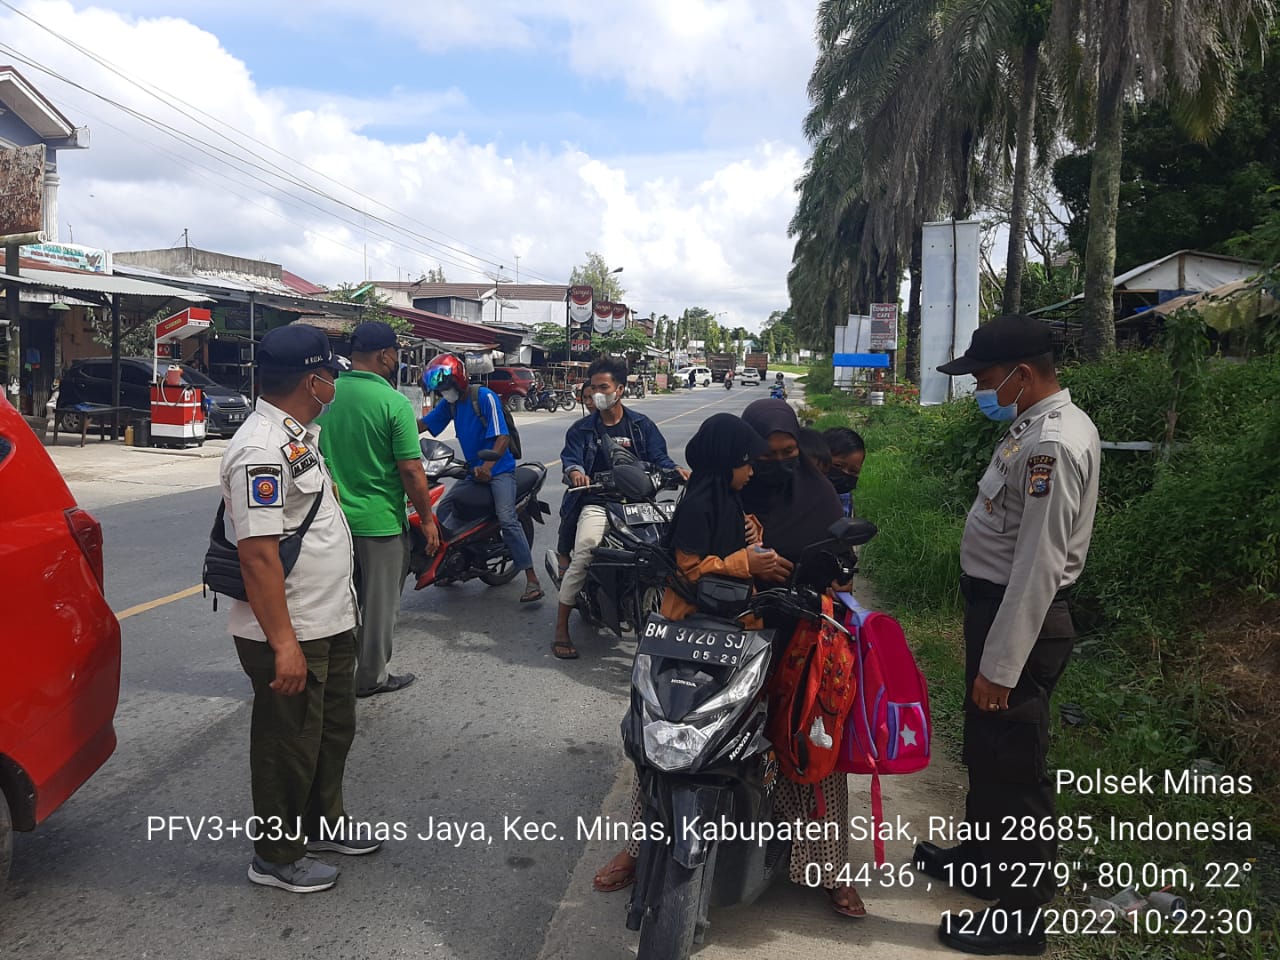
(602, 278)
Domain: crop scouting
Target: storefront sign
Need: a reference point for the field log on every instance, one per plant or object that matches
(73, 255)
(884, 326)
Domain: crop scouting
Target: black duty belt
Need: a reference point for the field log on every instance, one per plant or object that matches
(972, 588)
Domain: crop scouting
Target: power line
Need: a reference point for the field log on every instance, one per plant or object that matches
(216, 153)
(274, 169)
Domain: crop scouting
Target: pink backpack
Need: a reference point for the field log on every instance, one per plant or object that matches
(888, 727)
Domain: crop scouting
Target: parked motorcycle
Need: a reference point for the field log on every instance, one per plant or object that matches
(566, 397)
(635, 387)
(622, 593)
(541, 397)
(472, 546)
(696, 733)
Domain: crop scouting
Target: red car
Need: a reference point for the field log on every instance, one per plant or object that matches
(60, 647)
(511, 384)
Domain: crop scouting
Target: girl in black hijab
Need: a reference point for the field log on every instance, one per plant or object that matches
(709, 528)
(795, 503)
(708, 536)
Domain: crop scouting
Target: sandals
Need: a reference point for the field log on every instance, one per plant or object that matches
(532, 594)
(852, 905)
(564, 650)
(615, 876)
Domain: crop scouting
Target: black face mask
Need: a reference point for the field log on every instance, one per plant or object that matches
(843, 482)
(773, 474)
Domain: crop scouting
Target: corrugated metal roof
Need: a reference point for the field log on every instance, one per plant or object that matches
(471, 291)
(432, 326)
(79, 280)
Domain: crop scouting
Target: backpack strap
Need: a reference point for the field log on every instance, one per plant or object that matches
(474, 392)
(877, 818)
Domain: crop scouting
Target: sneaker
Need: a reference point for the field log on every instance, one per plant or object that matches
(351, 846)
(390, 685)
(307, 875)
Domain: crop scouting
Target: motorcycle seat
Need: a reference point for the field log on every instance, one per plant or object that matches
(474, 502)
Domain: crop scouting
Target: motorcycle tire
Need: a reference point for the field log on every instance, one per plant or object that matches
(669, 935)
(566, 401)
(530, 405)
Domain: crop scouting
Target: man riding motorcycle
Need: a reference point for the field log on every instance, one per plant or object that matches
(582, 522)
(447, 376)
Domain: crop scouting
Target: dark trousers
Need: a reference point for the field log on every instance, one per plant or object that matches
(1006, 752)
(298, 745)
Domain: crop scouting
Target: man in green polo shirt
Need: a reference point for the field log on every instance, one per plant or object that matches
(370, 443)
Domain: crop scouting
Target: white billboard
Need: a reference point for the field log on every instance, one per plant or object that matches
(949, 305)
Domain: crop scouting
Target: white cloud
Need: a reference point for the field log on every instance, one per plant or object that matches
(702, 228)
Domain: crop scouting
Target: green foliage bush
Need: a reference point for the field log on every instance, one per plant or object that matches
(1174, 527)
(820, 379)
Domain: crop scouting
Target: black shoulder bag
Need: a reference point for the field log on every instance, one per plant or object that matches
(222, 560)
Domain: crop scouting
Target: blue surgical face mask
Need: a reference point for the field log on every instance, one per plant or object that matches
(989, 403)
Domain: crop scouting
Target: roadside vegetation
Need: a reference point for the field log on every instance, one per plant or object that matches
(1179, 652)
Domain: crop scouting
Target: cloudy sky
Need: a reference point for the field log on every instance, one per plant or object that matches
(458, 133)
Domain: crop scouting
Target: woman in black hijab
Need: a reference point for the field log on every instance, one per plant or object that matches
(709, 528)
(795, 503)
(708, 536)
(797, 506)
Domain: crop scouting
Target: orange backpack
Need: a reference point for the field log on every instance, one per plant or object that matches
(810, 696)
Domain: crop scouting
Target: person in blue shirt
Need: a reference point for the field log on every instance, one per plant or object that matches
(447, 376)
(583, 523)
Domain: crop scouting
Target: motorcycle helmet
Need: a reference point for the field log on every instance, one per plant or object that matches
(443, 372)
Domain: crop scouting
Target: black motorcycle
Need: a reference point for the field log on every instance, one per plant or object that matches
(619, 594)
(541, 397)
(696, 733)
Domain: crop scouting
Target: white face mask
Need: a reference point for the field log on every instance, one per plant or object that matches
(451, 395)
(604, 401)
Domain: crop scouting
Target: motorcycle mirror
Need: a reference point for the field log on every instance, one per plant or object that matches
(852, 532)
(489, 456)
(633, 481)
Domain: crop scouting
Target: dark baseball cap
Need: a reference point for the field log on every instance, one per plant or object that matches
(1006, 339)
(373, 335)
(297, 347)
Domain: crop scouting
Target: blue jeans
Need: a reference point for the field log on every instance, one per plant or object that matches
(503, 489)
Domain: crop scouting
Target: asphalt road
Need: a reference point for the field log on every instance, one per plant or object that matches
(494, 730)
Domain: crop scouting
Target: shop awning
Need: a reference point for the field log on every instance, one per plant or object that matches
(101, 284)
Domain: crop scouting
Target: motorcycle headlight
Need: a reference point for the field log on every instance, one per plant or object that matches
(675, 746)
(434, 468)
(744, 685)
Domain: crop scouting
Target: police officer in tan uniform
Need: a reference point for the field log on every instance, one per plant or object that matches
(296, 634)
(1024, 546)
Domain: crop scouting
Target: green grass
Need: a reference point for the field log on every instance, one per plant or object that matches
(1138, 712)
(787, 368)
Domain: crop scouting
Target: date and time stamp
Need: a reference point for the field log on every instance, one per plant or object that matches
(1217, 890)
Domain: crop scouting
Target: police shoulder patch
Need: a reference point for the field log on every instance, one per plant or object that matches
(263, 480)
(301, 457)
(1040, 475)
(294, 428)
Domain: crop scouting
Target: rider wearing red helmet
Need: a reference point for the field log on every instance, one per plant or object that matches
(480, 425)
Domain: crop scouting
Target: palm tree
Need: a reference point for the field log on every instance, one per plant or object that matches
(930, 84)
(1187, 52)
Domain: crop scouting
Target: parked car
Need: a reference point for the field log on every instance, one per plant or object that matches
(61, 643)
(702, 376)
(748, 377)
(511, 384)
(89, 381)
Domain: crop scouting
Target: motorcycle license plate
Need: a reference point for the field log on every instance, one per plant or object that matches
(667, 638)
(637, 513)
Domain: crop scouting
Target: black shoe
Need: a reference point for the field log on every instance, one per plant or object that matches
(1022, 935)
(934, 861)
(390, 685)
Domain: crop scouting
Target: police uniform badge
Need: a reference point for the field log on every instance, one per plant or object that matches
(294, 428)
(1040, 478)
(300, 457)
(264, 485)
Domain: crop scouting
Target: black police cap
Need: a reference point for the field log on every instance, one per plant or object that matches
(373, 335)
(297, 348)
(1006, 339)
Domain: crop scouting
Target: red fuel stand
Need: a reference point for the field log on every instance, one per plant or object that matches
(177, 411)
